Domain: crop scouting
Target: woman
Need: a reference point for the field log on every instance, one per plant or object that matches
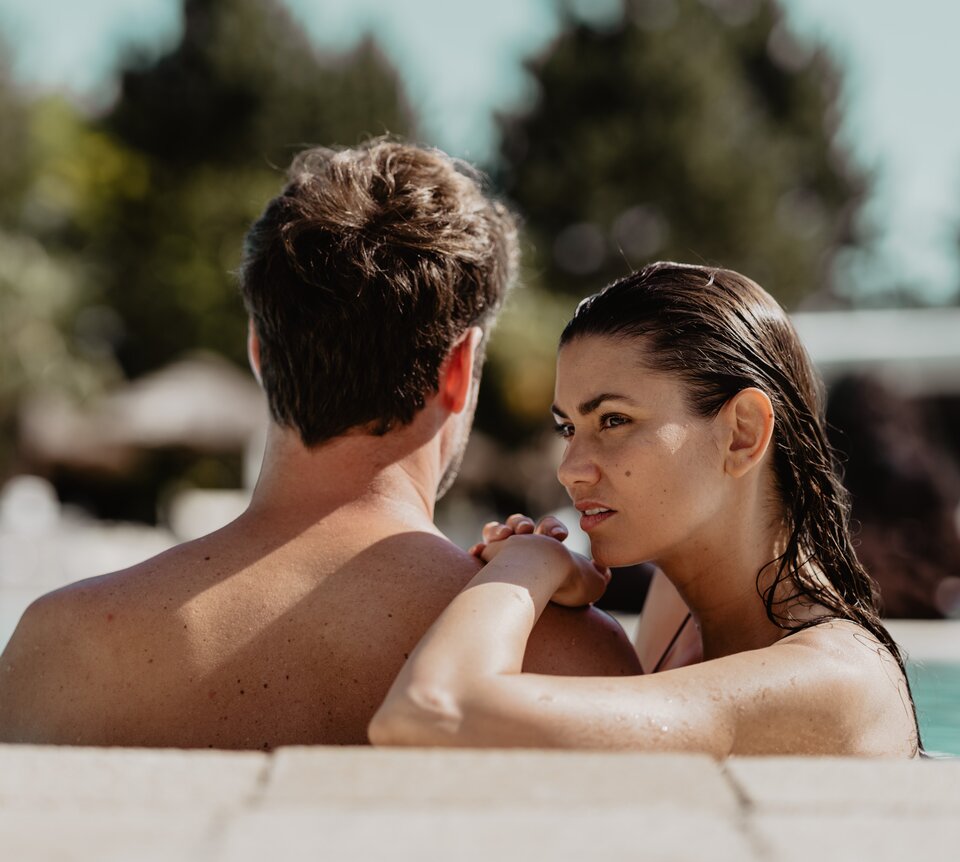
(694, 439)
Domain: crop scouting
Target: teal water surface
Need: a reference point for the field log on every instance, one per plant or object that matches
(936, 692)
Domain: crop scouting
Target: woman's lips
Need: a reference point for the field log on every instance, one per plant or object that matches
(591, 518)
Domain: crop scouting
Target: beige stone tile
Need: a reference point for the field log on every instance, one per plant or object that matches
(497, 778)
(839, 838)
(566, 833)
(51, 776)
(105, 835)
(846, 785)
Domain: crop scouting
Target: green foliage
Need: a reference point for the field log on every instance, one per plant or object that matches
(50, 183)
(14, 145)
(696, 130)
(38, 301)
(517, 386)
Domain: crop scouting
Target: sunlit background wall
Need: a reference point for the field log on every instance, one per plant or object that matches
(811, 144)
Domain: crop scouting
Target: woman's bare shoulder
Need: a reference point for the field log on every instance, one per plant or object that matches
(858, 683)
(846, 644)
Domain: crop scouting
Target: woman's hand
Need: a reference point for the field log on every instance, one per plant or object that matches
(579, 580)
(519, 525)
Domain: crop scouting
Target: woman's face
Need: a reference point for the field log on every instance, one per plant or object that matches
(645, 471)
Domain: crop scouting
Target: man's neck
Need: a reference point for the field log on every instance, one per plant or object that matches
(395, 474)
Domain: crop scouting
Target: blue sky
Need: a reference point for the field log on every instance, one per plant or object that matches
(458, 65)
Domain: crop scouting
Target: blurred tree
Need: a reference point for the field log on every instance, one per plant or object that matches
(14, 147)
(694, 130)
(208, 128)
(46, 153)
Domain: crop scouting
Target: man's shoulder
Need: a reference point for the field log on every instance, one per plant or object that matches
(580, 642)
(427, 552)
(50, 619)
(80, 607)
(46, 653)
(67, 653)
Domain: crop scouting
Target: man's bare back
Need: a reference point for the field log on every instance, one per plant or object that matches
(254, 637)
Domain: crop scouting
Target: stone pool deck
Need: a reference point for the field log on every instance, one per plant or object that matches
(323, 803)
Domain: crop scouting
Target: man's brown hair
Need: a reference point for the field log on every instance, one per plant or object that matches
(360, 276)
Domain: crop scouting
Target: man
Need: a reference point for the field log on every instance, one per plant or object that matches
(371, 284)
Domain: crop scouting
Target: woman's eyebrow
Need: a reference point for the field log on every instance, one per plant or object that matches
(588, 406)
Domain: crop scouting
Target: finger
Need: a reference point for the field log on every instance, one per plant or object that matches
(520, 523)
(495, 531)
(550, 526)
(477, 550)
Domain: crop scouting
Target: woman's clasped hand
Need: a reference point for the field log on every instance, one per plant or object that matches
(579, 581)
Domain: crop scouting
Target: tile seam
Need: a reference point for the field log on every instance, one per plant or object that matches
(744, 817)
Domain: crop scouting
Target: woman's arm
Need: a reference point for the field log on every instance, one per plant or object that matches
(825, 690)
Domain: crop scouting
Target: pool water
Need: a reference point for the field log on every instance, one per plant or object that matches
(936, 691)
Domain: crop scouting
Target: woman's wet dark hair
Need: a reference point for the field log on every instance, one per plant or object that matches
(721, 333)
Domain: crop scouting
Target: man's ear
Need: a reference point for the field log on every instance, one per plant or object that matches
(747, 420)
(253, 351)
(456, 373)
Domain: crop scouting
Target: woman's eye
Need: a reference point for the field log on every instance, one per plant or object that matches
(612, 420)
(563, 429)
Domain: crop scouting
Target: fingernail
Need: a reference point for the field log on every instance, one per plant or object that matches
(557, 531)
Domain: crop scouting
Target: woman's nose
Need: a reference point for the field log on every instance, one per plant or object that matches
(577, 467)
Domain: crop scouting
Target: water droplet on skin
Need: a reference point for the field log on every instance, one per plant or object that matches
(664, 728)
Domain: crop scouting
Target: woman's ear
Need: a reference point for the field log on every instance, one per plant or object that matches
(748, 420)
(456, 374)
(253, 351)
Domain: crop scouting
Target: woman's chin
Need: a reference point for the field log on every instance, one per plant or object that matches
(611, 557)
(607, 556)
